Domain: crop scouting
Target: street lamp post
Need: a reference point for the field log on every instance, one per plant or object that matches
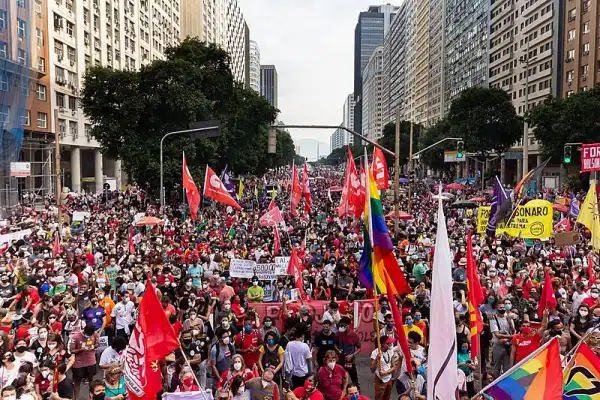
(198, 130)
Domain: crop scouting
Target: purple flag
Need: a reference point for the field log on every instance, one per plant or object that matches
(498, 199)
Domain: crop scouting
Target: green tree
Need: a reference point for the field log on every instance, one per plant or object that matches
(388, 140)
(572, 120)
(434, 157)
(485, 119)
(132, 110)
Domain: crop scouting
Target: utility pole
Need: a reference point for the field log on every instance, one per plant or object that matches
(410, 168)
(397, 175)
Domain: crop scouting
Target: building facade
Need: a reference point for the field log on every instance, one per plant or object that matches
(348, 115)
(254, 66)
(466, 47)
(268, 84)
(369, 34)
(372, 87)
(581, 54)
(339, 138)
(435, 78)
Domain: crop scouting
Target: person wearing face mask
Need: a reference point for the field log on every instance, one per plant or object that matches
(43, 380)
(97, 391)
(271, 354)
(7, 289)
(332, 377)
(112, 356)
(347, 344)
(114, 384)
(556, 329)
(237, 368)
(248, 341)
(221, 354)
(409, 325)
(39, 345)
(579, 323)
(9, 371)
(23, 354)
(256, 293)
(594, 300)
(333, 314)
(528, 340)
(83, 345)
(466, 365)
(192, 352)
(353, 393)
(95, 314)
(237, 389)
(188, 383)
(489, 307)
(384, 365)
(123, 316)
(503, 330)
(323, 342)
(268, 327)
(263, 387)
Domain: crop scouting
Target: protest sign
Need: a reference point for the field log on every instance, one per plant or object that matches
(531, 221)
(239, 268)
(9, 237)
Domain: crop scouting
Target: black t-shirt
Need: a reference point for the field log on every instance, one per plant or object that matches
(37, 349)
(190, 352)
(324, 343)
(7, 291)
(65, 388)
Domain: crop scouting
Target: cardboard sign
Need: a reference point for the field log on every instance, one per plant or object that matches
(566, 238)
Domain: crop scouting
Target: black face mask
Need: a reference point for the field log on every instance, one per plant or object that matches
(501, 312)
(99, 396)
(187, 342)
(21, 349)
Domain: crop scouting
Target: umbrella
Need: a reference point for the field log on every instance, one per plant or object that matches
(560, 208)
(464, 204)
(448, 195)
(454, 186)
(479, 199)
(336, 188)
(401, 215)
(403, 180)
(149, 221)
(437, 197)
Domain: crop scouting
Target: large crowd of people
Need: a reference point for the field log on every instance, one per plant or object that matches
(70, 291)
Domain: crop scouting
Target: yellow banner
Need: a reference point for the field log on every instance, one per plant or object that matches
(531, 221)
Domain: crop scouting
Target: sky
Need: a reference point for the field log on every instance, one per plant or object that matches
(311, 43)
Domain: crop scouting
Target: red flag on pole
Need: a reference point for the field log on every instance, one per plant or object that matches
(296, 191)
(191, 190)
(547, 299)
(380, 171)
(306, 190)
(294, 269)
(271, 217)
(272, 205)
(56, 245)
(131, 246)
(214, 189)
(151, 341)
(399, 323)
(351, 202)
(590, 268)
(475, 298)
(277, 241)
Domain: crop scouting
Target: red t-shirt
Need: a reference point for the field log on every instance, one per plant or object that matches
(43, 383)
(31, 293)
(316, 395)
(525, 345)
(244, 340)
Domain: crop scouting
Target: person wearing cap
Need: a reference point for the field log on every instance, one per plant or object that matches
(384, 364)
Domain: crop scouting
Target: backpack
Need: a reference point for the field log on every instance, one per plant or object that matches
(271, 358)
(218, 351)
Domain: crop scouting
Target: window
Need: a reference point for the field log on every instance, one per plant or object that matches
(21, 26)
(21, 56)
(4, 110)
(23, 87)
(70, 53)
(42, 120)
(38, 7)
(585, 27)
(39, 35)
(584, 70)
(70, 28)
(41, 66)
(73, 129)
(27, 118)
(40, 92)
(72, 103)
(60, 100)
(571, 55)
(585, 49)
(4, 81)
(3, 47)
(21, 3)
(571, 35)
(2, 20)
(572, 14)
(570, 75)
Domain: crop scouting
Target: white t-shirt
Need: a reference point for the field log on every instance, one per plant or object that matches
(577, 300)
(387, 358)
(123, 315)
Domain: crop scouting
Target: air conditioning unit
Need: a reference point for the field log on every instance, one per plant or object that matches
(60, 57)
(569, 83)
(72, 63)
(62, 110)
(73, 112)
(584, 78)
(585, 53)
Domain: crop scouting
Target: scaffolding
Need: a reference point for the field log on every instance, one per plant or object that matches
(31, 190)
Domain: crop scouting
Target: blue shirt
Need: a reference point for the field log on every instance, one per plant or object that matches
(94, 316)
(195, 272)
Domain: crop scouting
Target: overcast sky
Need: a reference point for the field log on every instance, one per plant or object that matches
(311, 43)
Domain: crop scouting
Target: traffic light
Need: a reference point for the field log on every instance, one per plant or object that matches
(567, 154)
(460, 149)
(411, 177)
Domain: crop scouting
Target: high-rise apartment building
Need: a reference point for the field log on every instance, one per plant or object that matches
(348, 114)
(26, 133)
(372, 88)
(254, 66)
(581, 56)
(268, 84)
(369, 34)
(435, 78)
(466, 43)
(339, 138)
(420, 97)
(221, 22)
(118, 34)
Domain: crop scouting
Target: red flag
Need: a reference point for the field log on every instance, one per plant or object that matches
(271, 217)
(547, 299)
(306, 190)
(191, 190)
(351, 202)
(564, 225)
(399, 324)
(590, 267)
(380, 171)
(296, 191)
(294, 269)
(151, 341)
(277, 242)
(362, 193)
(56, 245)
(547, 384)
(214, 189)
(131, 246)
(272, 205)
(475, 298)
(3, 247)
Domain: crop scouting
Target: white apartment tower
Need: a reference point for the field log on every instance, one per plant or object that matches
(349, 117)
(254, 66)
(121, 34)
(372, 119)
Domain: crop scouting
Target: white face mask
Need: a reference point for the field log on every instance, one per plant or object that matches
(227, 307)
(508, 283)
(241, 389)
(237, 366)
(331, 365)
(583, 313)
(45, 374)
(100, 296)
(52, 346)
(342, 329)
(265, 383)
(595, 295)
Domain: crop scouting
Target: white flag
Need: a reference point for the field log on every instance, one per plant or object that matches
(200, 395)
(442, 374)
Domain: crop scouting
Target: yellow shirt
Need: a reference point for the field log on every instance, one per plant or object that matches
(412, 328)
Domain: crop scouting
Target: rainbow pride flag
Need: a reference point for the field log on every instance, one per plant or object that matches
(534, 372)
(378, 251)
(581, 377)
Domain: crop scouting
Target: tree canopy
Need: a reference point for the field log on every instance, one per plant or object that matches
(132, 110)
(575, 119)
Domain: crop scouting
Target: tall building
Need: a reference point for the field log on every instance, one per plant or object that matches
(369, 34)
(523, 57)
(435, 78)
(466, 42)
(93, 32)
(348, 116)
(246, 56)
(581, 50)
(372, 88)
(221, 22)
(254, 66)
(395, 62)
(339, 138)
(268, 83)
(26, 133)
